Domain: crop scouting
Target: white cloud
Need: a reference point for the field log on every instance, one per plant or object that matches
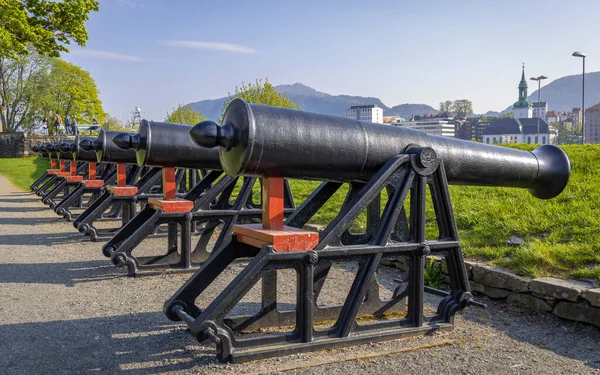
(104, 55)
(215, 46)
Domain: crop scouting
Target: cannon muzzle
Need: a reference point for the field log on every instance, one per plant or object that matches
(278, 142)
(164, 144)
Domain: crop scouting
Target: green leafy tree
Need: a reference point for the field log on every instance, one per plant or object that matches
(259, 93)
(70, 91)
(462, 107)
(45, 25)
(184, 115)
(113, 123)
(446, 106)
(21, 82)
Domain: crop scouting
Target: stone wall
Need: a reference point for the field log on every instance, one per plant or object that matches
(18, 145)
(12, 145)
(571, 300)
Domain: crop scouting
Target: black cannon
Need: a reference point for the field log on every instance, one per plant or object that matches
(73, 173)
(120, 198)
(392, 166)
(210, 203)
(62, 168)
(42, 152)
(86, 187)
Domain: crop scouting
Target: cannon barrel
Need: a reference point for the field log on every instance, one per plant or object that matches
(106, 150)
(162, 144)
(262, 140)
(76, 151)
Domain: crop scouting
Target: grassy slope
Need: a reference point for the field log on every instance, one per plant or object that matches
(23, 171)
(562, 235)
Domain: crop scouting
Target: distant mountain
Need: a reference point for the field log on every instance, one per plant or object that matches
(564, 93)
(407, 110)
(315, 101)
(211, 108)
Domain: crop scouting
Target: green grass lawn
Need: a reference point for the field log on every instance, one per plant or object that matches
(23, 171)
(562, 235)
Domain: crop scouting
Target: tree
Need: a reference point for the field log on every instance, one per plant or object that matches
(446, 106)
(45, 25)
(114, 124)
(70, 91)
(21, 82)
(462, 107)
(184, 115)
(259, 93)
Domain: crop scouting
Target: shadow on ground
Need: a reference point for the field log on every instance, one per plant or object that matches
(28, 220)
(22, 209)
(102, 345)
(67, 274)
(41, 239)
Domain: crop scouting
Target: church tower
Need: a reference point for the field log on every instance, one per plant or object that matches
(523, 107)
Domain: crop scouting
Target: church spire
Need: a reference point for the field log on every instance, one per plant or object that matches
(522, 102)
(523, 83)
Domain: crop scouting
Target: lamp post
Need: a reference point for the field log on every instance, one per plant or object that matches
(539, 81)
(582, 55)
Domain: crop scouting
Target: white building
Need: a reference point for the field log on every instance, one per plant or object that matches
(368, 113)
(552, 117)
(543, 108)
(432, 126)
(517, 130)
(592, 124)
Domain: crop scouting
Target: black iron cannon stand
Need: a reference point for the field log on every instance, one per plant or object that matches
(49, 173)
(392, 235)
(122, 197)
(54, 179)
(64, 182)
(210, 204)
(99, 176)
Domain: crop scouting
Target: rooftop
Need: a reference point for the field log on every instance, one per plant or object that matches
(507, 125)
(364, 106)
(594, 107)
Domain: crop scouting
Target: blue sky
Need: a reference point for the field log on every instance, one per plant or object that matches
(157, 53)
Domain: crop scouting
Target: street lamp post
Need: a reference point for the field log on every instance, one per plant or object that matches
(539, 109)
(582, 55)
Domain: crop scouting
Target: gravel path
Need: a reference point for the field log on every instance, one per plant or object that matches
(65, 309)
